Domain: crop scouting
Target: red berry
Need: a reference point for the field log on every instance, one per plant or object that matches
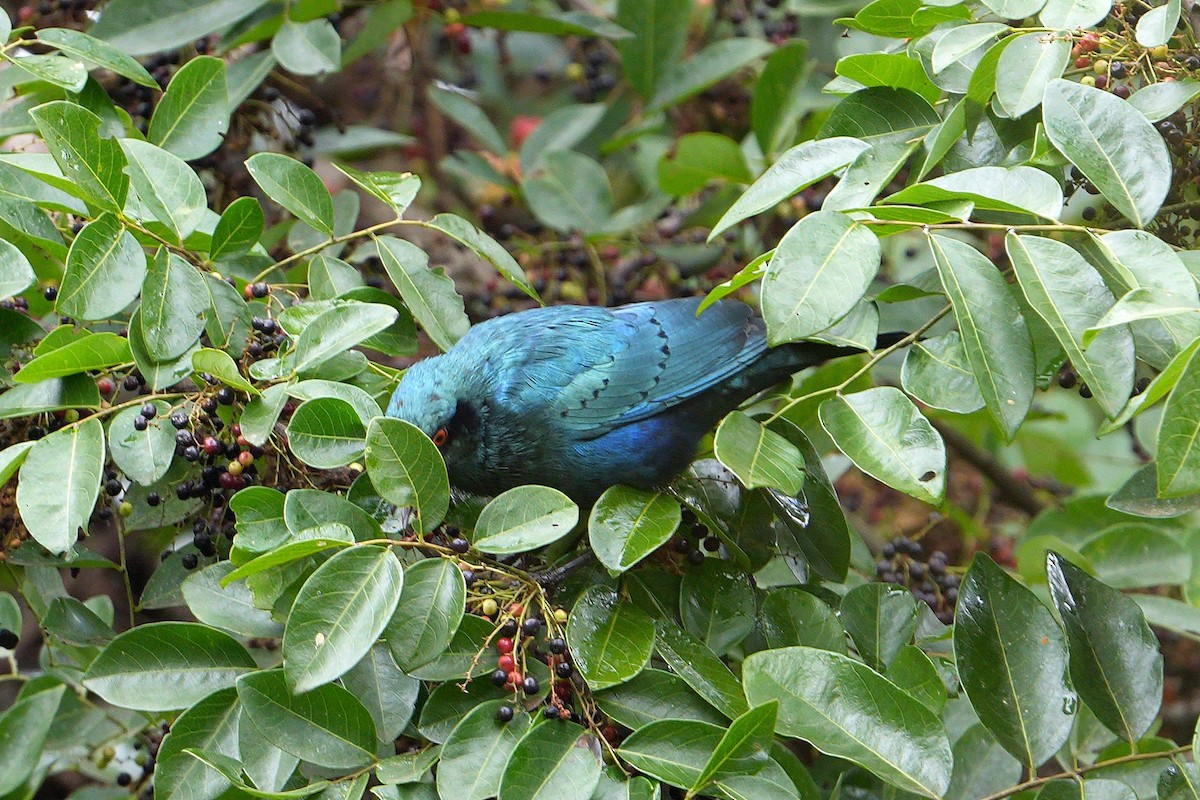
(236, 429)
(106, 386)
(515, 678)
(1083, 62)
(213, 446)
(245, 458)
(504, 645)
(229, 481)
(1089, 42)
(506, 663)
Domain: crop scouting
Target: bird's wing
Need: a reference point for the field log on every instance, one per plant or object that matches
(647, 357)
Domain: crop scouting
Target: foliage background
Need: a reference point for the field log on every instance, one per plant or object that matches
(207, 205)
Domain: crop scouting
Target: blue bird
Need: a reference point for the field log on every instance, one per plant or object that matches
(580, 398)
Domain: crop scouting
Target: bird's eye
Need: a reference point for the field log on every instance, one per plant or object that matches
(441, 437)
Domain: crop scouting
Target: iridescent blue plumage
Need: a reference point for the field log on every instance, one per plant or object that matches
(580, 398)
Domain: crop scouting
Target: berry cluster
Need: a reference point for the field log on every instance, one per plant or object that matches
(693, 538)
(930, 580)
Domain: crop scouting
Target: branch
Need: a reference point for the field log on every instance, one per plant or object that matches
(1017, 494)
(1034, 783)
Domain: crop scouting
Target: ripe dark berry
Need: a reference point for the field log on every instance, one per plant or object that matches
(695, 557)
(557, 646)
(504, 713)
(259, 290)
(459, 545)
(112, 488)
(550, 712)
(140, 423)
(225, 396)
(208, 405)
(184, 490)
(184, 438)
(563, 669)
(191, 453)
(531, 626)
(499, 677)
(179, 420)
(530, 685)
(153, 499)
(189, 560)
(130, 383)
(50, 293)
(1085, 391)
(124, 779)
(149, 411)
(8, 639)
(213, 446)
(509, 629)
(712, 544)
(1118, 70)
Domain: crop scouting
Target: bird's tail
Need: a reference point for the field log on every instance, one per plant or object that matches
(787, 359)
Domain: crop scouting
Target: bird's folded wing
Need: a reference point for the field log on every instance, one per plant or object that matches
(651, 356)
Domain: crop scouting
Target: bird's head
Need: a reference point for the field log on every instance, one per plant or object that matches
(431, 398)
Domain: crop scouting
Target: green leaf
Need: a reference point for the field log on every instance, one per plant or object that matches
(915, 672)
(673, 750)
(16, 273)
(995, 336)
(651, 695)
(92, 351)
(524, 518)
(757, 456)
(395, 189)
(11, 459)
(337, 330)
(700, 669)
(59, 70)
(164, 666)
(1069, 295)
(407, 470)
(1139, 305)
(75, 391)
(295, 187)
(408, 767)
(95, 165)
(627, 524)
(102, 54)
(791, 616)
(138, 29)
(308, 542)
(210, 725)
(880, 111)
(659, 29)
(963, 40)
(330, 277)
(308, 48)
(457, 105)
(221, 366)
(820, 270)
(144, 456)
(552, 762)
(1135, 555)
(1072, 14)
(884, 434)
(1018, 189)
(239, 229)
(716, 604)
(166, 186)
(981, 766)
(228, 322)
(610, 638)
(191, 118)
(847, 710)
(174, 303)
(327, 726)
(72, 461)
(228, 607)
(307, 508)
(1157, 101)
(777, 101)
(745, 747)
(1012, 660)
(339, 613)
(680, 80)
(24, 727)
(1115, 662)
(1155, 27)
(474, 757)
(1025, 68)
(485, 247)
(428, 614)
(562, 129)
(936, 373)
(798, 168)
(326, 433)
(881, 619)
(570, 192)
(895, 70)
(429, 295)
(1113, 145)
(105, 268)
(1178, 456)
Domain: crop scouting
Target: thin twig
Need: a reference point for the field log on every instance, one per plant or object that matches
(1012, 491)
(1034, 783)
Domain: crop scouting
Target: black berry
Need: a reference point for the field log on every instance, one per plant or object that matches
(140, 423)
(189, 560)
(531, 626)
(504, 713)
(499, 677)
(153, 499)
(530, 685)
(557, 646)
(149, 411)
(179, 420)
(225, 396)
(563, 669)
(460, 545)
(509, 629)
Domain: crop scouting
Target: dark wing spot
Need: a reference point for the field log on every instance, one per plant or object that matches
(595, 394)
(645, 395)
(666, 350)
(928, 476)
